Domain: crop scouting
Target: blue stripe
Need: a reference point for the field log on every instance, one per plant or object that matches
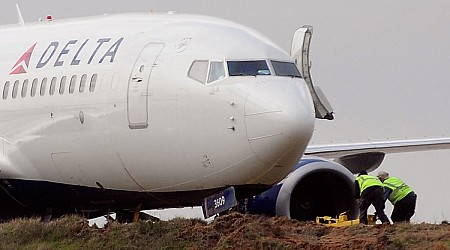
(264, 203)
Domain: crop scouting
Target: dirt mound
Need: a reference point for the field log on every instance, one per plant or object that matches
(257, 232)
(234, 231)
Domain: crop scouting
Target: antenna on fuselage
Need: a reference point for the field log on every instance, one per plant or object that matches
(19, 15)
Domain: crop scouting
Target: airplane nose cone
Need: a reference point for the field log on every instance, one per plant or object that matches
(280, 121)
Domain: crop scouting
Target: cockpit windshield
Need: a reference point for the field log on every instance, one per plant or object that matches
(285, 69)
(211, 71)
(248, 68)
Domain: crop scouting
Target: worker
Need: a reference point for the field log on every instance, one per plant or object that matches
(400, 195)
(369, 190)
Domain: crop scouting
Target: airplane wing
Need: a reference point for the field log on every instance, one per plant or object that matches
(368, 155)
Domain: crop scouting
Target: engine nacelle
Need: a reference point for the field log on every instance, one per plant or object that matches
(315, 187)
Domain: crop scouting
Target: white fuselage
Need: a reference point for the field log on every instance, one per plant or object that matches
(141, 123)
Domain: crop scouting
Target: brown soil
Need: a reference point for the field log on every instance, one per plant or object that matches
(255, 232)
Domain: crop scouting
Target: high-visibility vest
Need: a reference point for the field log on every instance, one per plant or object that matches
(366, 181)
(398, 187)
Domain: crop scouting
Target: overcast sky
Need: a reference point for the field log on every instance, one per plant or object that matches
(384, 66)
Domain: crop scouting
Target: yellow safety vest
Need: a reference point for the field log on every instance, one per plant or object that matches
(398, 187)
(366, 181)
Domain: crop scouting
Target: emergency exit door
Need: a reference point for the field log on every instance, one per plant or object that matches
(138, 86)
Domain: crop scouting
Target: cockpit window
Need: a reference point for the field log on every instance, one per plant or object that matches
(216, 71)
(198, 71)
(248, 68)
(285, 69)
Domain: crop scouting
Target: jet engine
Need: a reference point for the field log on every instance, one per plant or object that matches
(315, 187)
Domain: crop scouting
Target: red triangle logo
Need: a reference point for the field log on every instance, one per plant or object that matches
(18, 70)
(22, 64)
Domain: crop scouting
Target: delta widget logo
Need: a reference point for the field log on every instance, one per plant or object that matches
(22, 64)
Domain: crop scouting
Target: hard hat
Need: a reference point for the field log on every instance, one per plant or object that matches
(383, 175)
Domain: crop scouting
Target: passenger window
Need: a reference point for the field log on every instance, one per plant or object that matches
(34, 87)
(93, 83)
(82, 83)
(62, 85)
(198, 71)
(52, 86)
(43, 86)
(216, 71)
(15, 89)
(24, 88)
(6, 90)
(73, 81)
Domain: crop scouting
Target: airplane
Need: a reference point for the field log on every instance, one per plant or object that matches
(138, 111)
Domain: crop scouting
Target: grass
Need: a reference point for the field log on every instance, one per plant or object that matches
(233, 231)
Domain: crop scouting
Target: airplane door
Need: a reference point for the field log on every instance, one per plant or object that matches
(138, 86)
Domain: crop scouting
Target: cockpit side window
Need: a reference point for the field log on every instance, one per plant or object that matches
(198, 71)
(285, 69)
(216, 71)
(248, 68)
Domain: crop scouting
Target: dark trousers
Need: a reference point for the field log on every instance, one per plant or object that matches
(404, 209)
(372, 196)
